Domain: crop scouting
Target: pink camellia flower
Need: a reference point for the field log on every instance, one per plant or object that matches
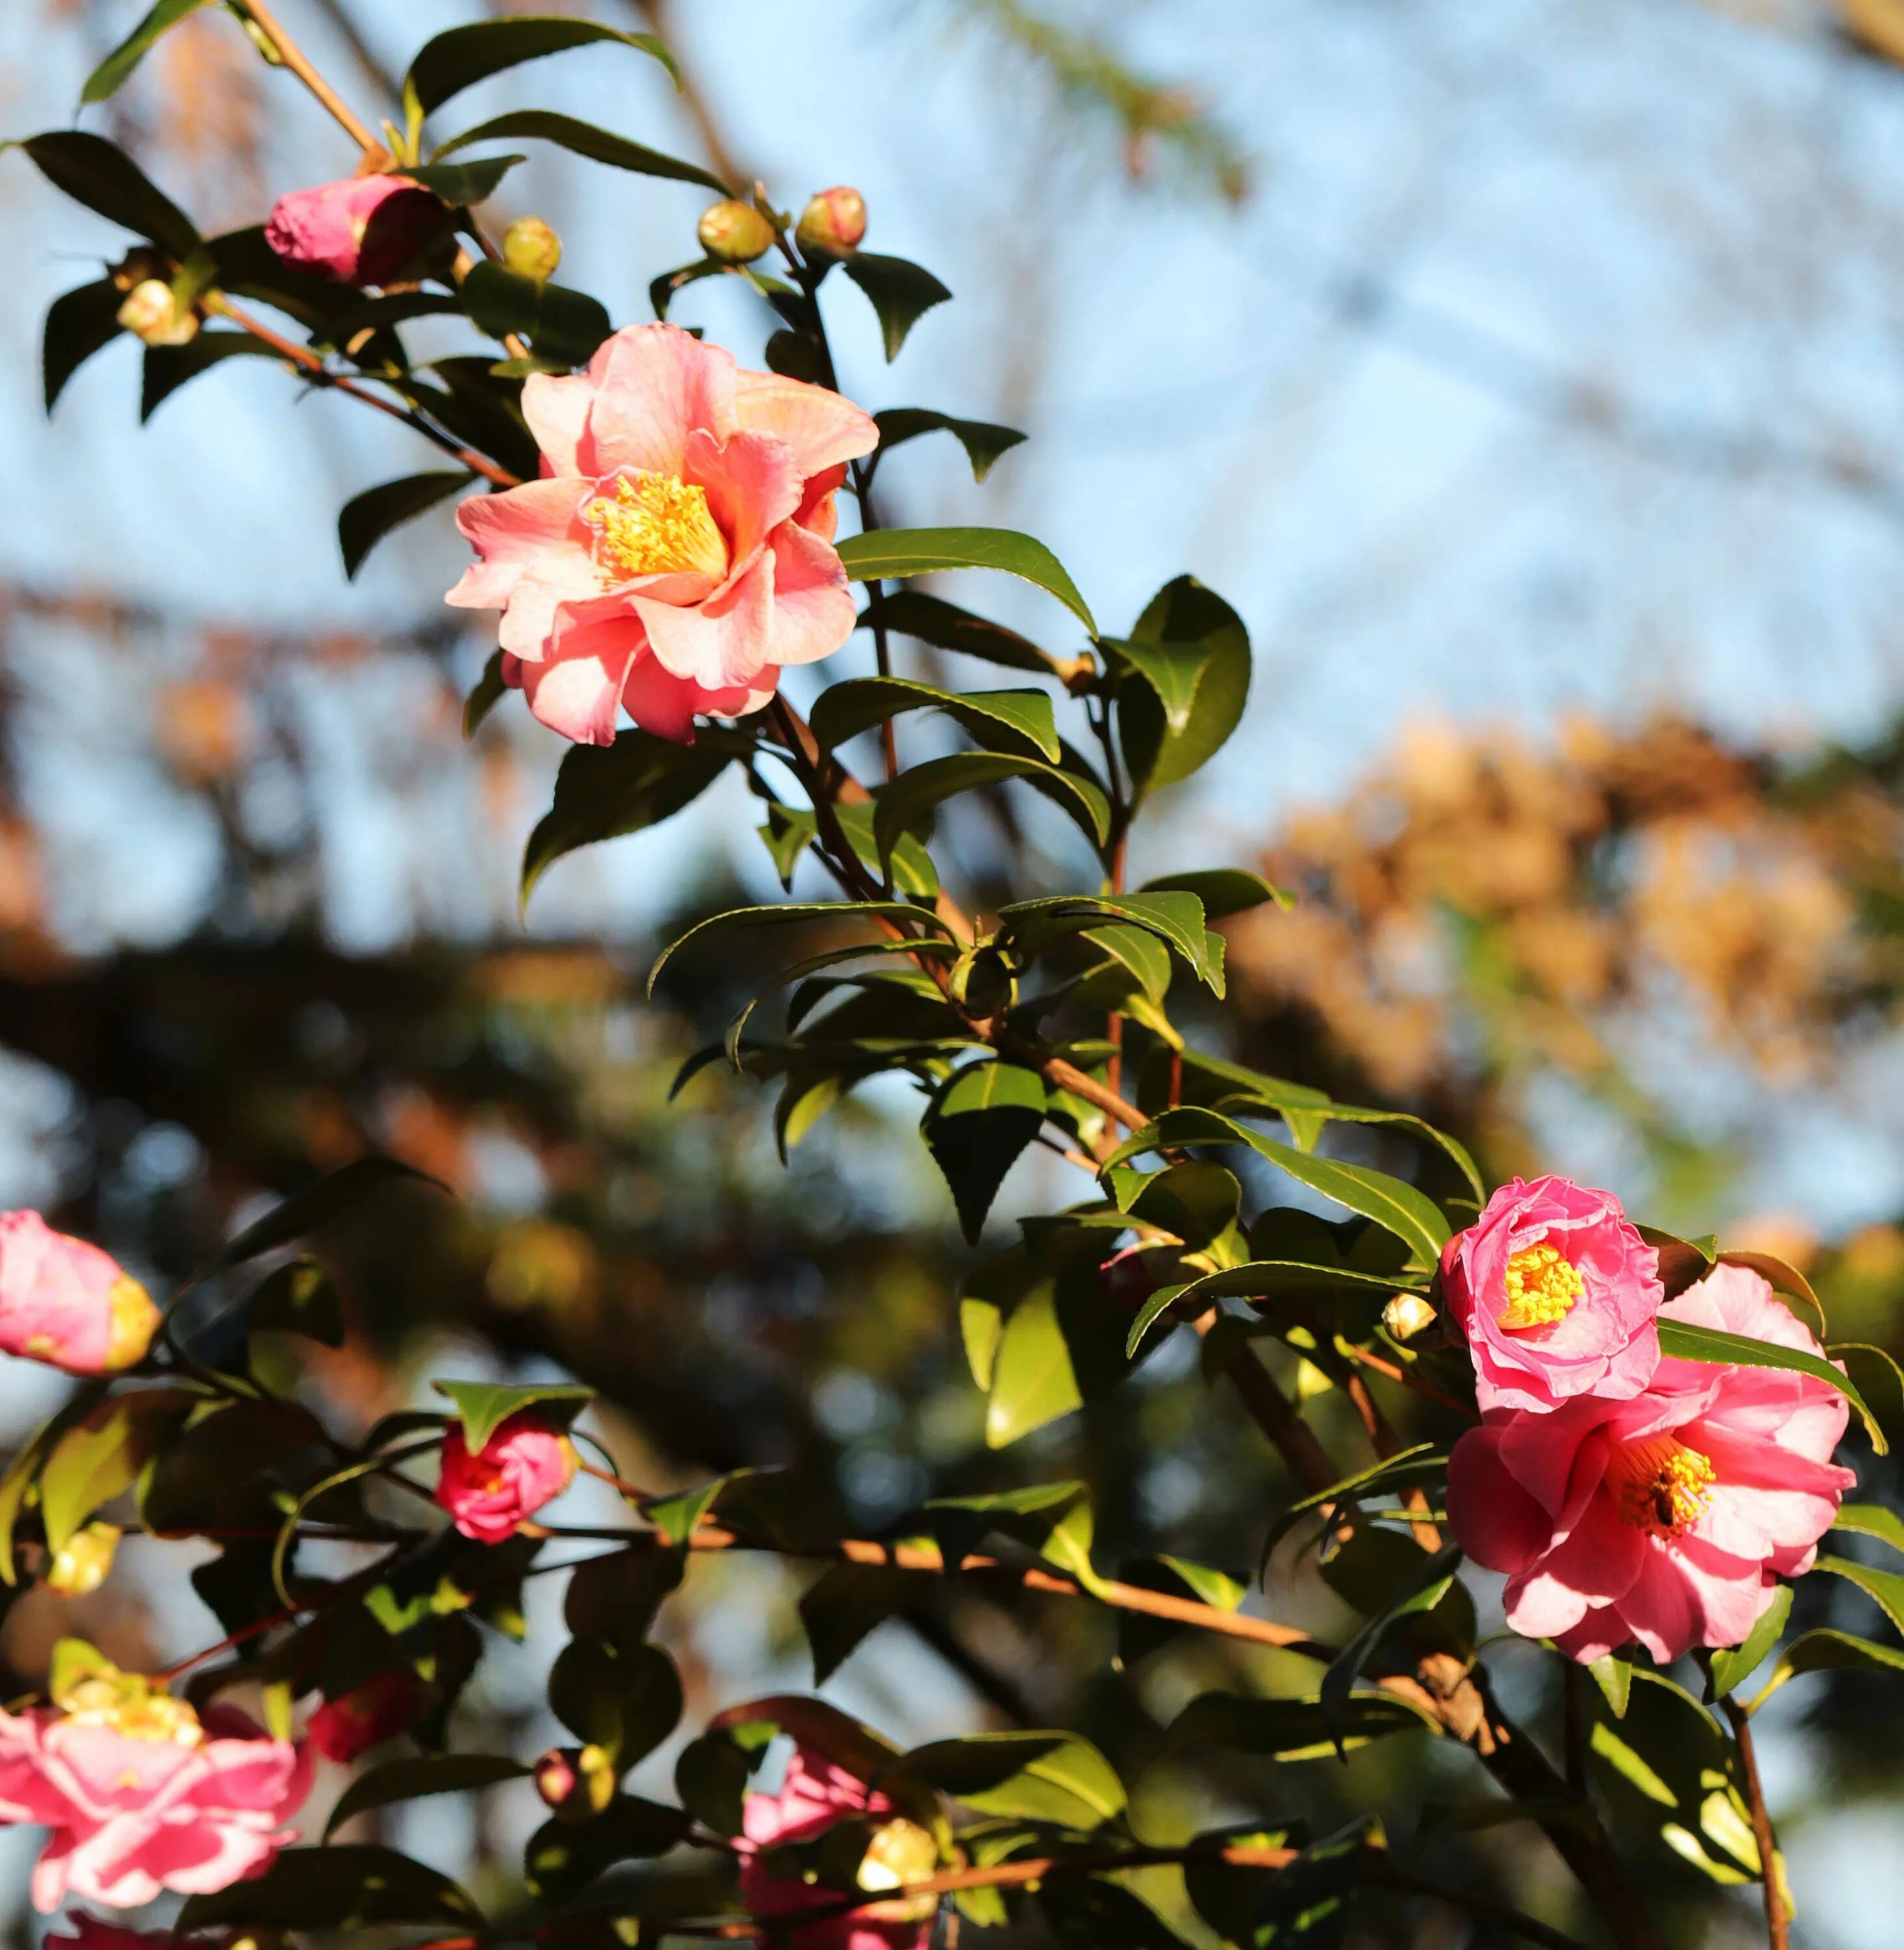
(814, 1796)
(1556, 1293)
(1669, 1517)
(142, 1796)
(65, 1303)
(525, 1463)
(91, 1932)
(367, 1715)
(363, 230)
(678, 550)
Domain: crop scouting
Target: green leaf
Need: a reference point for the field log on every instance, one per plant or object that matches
(79, 323)
(580, 138)
(979, 1121)
(603, 791)
(1260, 1279)
(1223, 890)
(1137, 953)
(1876, 1377)
(1176, 918)
(412, 1779)
(113, 74)
(346, 1888)
(1680, 1340)
(615, 1597)
(483, 1406)
(1409, 1214)
(1187, 662)
(560, 323)
(102, 176)
(485, 694)
(1614, 1676)
(1784, 1277)
(902, 294)
(298, 1298)
(814, 962)
(167, 368)
(1884, 1588)
(23, 1471)
(787, 911)
(1011, 721)
(626, 1701)
(1032, 1776)
(1094, 1913)
(711, 1776)
(1429, 1582)
(897, 553)
(983, 442)
(906, 804)
(1034, 1381)
(1871, 1520)
(1291, 1730)
(1824, 1650)
(458, 59)
(366, 518)
(847, 1602)
(461, 184)
(563, 1857)
(102, 1455)
(1733, 1666)
(912, 612)
(1195, 1201)
(316, 1205)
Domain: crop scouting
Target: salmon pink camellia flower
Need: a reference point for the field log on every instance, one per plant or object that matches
(1667, 1517)
(65, 1303)
(364, 230)
(816, 1796)
(142, 1794)
(1556, 1293)
(677, 552)
(525, 1463)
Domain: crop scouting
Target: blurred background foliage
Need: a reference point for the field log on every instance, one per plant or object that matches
(1661, 952)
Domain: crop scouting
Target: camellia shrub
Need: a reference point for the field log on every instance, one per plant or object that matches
(1641, 1434)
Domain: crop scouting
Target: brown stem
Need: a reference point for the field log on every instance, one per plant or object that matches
(654, 16)
(1777, 1920)
(294, 58)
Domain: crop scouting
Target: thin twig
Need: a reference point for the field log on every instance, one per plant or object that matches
(295, 59)
(1777, 1920)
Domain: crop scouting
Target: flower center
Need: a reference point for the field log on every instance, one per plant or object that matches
(1542, 1286)
(133, 1712)
(1662, 1486)
(655, 526)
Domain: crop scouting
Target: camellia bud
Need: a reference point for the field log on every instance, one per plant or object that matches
(735, 232)
(138, 263)
(898, 1853)
(152, 313)
(532, 248)
(1406, 1315)
(833, 222)
(577, 1782)
(84, 1562)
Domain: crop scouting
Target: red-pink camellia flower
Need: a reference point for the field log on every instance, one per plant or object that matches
(1556, 1293)
(678, 550)
(143, 1796)
(1667, 1517)
(814, 1796)
(525, 1461)
(367, 1715)
(67, 1303)
(90, 1933)
(364, 230)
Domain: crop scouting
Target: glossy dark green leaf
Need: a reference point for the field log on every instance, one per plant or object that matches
(113, 74)
(479, 405)
(581, 139)
(1614, 1676)
(463, 56)
(1176, 918)
(167, 368)
(23, 1471)
(603, 791)
(483, 1406)
(563, 1857)
(1875, 1374)
(101, 1456)
(79, 323)
(1824, 1650)
(1291, 1730)
(979, 1121)
(1733, 1666)
(902, 294)
(896, 552)
(1428, 1583)
(1033, 1777)
(1681, 1340)
(615, 1597)
(413, 1779)
(316, 1205)
(1871, 1520)
(1187, 671)
(907, 804)
(1223, 890)
(298, 1298)
(711, 1777)
(983, 442)
(912, 612)
(461, 184)
(782, 914)
(101, 176)
(366, 518)
(1011, 721)
(833, 958)
(1195, 1201)
(338, 1887)
(560, 323)
(485, 694)
(626, 1701)
(1884, 1588)
(1091, 1913)
(847, 1602)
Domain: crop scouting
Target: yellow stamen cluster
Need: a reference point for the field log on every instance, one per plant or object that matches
(1542, 1286)
(1662, 1486)
(129, 1708)
(655, 526)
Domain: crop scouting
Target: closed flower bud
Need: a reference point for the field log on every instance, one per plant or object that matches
(833, 222)
(84, 1562)
(64, 1302)
(1406, 1315)
(367, 1715)
(532, 248)
(733, 233)
(152, 313)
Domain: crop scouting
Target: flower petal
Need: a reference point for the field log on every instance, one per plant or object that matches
(658, 385)
(822, 429)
